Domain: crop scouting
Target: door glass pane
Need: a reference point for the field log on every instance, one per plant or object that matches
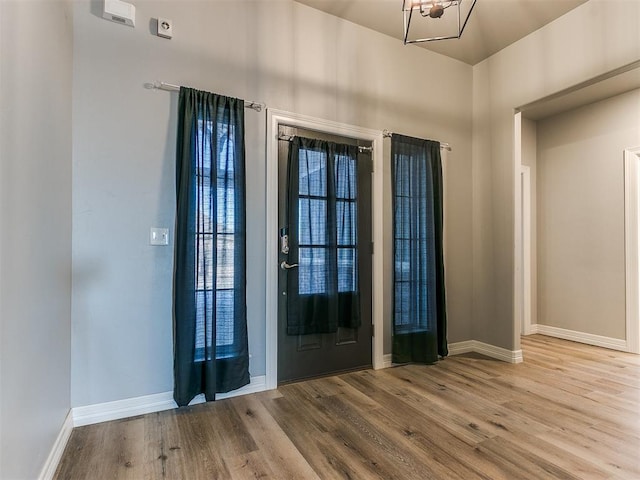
(347, 273)
(312, 276)
(346, 223)
(312, 221)
(313, 173)
(346, 181)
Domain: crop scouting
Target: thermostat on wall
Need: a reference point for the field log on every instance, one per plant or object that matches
(120, 12)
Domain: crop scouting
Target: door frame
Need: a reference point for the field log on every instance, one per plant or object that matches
(525, 176)
(631, 239)
(517, 230)
(274, 119)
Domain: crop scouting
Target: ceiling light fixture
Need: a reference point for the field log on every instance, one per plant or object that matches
(433, 10)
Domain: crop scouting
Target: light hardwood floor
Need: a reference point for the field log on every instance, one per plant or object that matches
(569, 411)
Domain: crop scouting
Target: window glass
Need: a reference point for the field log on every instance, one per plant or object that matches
(215, 199)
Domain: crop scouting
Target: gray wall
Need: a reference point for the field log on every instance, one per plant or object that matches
(35, 245)
(287, 55)
(580, 192)
(586, 42)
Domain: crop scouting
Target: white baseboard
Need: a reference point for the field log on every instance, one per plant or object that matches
(386, 360)
(130, 407)
(461, 347)
(581, 337)
(51, 464)
(257, 384)
(499, 353)
(457, 348)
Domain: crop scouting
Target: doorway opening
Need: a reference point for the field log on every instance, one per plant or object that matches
(544, 288)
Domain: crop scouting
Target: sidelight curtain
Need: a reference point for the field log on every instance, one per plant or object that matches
(419, 313)
(209, 305)
(323, 292)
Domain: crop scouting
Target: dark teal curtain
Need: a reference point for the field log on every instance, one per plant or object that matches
(323, 292)
(419, 310)
(209, 304)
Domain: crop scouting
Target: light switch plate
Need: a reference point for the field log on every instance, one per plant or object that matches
(158, 236)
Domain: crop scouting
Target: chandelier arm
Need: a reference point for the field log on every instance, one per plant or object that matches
(407, 22)
(468, 16)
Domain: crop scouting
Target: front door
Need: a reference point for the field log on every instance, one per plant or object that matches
(324, 308)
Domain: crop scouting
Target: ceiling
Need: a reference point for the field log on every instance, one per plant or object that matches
(493, 25)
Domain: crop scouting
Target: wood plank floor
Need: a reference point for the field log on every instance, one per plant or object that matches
(570, 411)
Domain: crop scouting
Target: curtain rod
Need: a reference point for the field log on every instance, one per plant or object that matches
(289, 138)
(443, 145)
(257, 106)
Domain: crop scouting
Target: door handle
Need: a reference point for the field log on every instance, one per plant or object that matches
(285, 266)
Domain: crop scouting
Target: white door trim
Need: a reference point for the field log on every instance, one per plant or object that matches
(525, 174)
(275, 118)
(517, 230)
(631, 239)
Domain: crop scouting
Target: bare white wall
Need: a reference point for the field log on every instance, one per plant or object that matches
(287, 55)
(586, 42)
(581, 262)
(35, 218)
